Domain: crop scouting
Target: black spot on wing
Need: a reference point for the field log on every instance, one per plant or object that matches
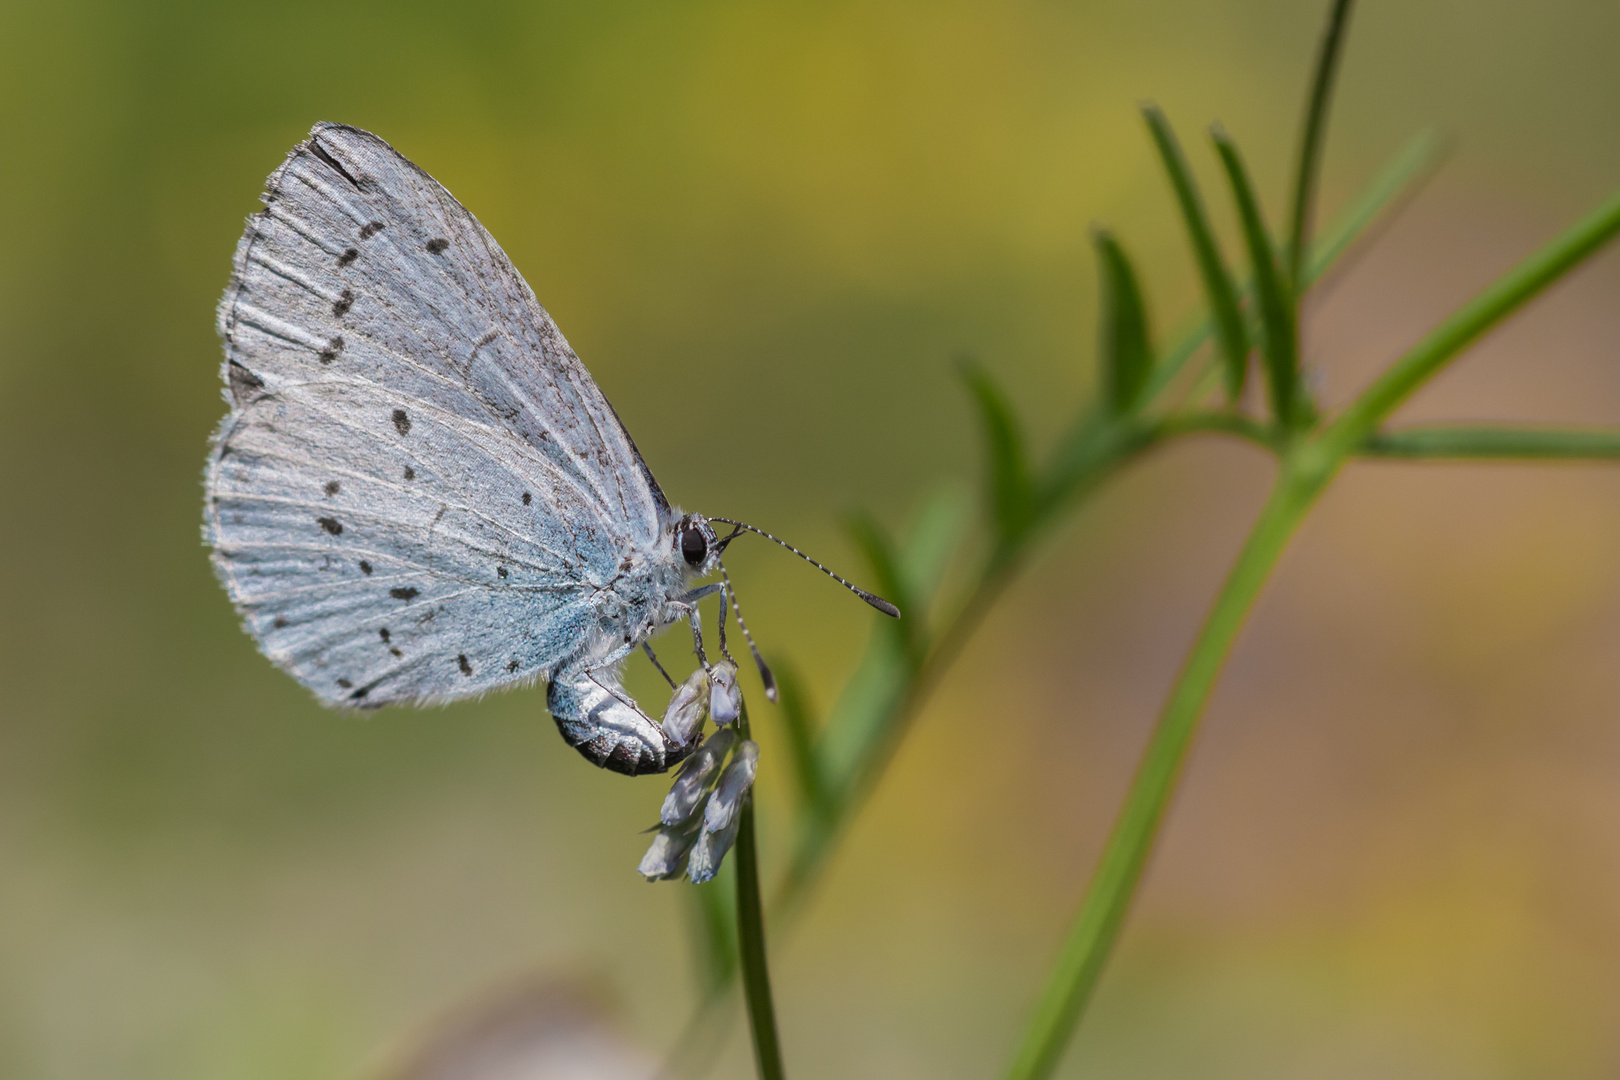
(370, 229)
(345, 683)
(501, 570)
(461, 662)
(333, 348)
(331, 525)
(243, 383)
(343, 303)
(513, 666)
(527, 498)
(410, 473)
(279, 623)
(437, 245)
(365, 568)
(382, 632)
(331, 487)
(402, 592)
(348, 256)
(320, 151)
(402, 422)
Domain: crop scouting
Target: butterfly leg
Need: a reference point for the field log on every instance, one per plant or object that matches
(647, 648)
(687, 605)
(724, 606)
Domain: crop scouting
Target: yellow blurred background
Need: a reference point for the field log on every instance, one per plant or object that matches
(767, 229)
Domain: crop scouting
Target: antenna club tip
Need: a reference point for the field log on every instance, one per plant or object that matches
(884, 606)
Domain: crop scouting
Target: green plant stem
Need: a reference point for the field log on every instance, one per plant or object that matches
(1503, 297)
(1225, 423)
(1102, 911)
(1307, 467)
(756, 976)
(1494, 443)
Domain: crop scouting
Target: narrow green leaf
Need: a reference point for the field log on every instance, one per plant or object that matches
(1218, 287)
(714, 931)
(1312, 138)
(866, 718)
(1395, 183)
(1279, 344)
(884, 559)
(801, 739)
(1496, 443)
(1127, 357)
(930, 545)
(1009, 481)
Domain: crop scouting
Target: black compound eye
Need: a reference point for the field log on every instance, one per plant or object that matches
(693, 546)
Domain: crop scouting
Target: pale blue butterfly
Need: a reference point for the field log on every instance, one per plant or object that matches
(419, 493)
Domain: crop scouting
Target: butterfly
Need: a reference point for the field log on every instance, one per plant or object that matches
(419, 493)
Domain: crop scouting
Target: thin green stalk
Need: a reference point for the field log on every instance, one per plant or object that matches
(1225, 423)
(1503, 297)
(1512, 443)
(1399, 181)
(1311, 140)
(756, 976)
(1102, 912)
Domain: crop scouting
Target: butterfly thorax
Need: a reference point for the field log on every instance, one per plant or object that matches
(646, 594)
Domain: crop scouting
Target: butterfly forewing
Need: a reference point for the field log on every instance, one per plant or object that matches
(419, 484)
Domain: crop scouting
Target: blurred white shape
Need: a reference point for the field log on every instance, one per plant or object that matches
(544, 1030)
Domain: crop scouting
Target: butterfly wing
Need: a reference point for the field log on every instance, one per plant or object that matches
(419, 487)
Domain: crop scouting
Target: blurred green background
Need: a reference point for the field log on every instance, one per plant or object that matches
(767, 229)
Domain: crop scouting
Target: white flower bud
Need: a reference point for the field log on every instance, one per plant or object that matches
(692, 782)
(667, 856)
(711, 847)
(725, 696)
(733, 787)
(688, 707)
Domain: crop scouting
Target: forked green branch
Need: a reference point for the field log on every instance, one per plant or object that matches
(1307, 466)
(1505, 296)
(841, 766)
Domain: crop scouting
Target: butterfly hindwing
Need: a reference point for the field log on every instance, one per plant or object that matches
(419, 485)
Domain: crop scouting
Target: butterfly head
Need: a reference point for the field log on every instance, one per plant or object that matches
(696, 544)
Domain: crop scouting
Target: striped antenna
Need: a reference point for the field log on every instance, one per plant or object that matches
(765, 675)
(876, 601)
